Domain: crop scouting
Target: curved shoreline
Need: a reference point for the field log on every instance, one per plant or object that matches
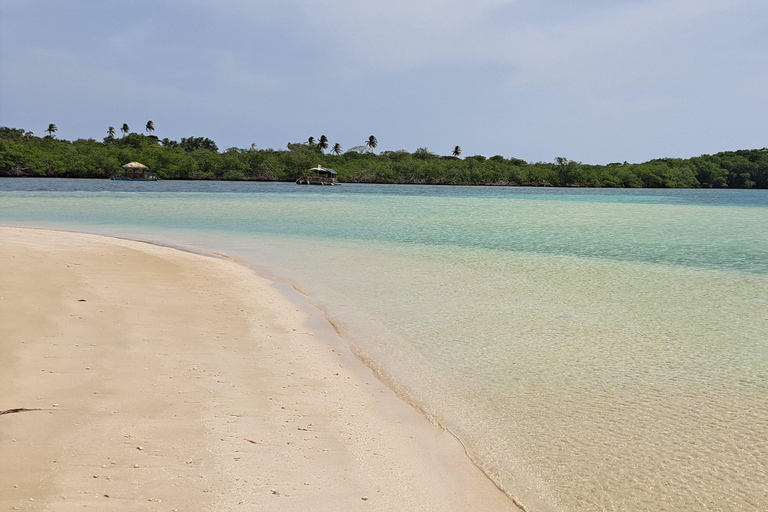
(302, 422)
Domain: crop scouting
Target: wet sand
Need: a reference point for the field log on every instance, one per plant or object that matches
(156, 379)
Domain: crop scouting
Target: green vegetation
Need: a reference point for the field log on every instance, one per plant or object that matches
(24, 154)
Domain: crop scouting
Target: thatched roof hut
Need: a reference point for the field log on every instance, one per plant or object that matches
(135, 166)
(135, 171)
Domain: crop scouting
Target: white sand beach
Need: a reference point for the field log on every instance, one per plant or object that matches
(156, 379)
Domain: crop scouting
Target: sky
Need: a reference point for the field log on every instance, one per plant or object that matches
(596, 81)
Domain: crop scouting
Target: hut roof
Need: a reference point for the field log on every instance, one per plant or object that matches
(323, 170)
(135, 166)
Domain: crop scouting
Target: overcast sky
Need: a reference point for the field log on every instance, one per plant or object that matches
(596, 81)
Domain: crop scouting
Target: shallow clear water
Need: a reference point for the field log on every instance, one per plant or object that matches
(594, 349)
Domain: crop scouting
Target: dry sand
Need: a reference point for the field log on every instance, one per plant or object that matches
(173, 381)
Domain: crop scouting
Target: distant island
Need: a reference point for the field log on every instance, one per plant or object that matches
(22, 154)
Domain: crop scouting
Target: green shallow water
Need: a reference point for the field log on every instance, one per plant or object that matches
(595, 350)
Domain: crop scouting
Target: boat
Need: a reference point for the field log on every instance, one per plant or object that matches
(135, 171)
(321, 176)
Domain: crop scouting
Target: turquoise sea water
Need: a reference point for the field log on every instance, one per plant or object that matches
(593, 349)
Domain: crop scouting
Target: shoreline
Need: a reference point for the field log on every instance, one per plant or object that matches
(187, 380)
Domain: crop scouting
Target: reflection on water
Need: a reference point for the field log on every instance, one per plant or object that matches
(595, 350)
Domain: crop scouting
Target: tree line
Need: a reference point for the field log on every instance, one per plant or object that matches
(24, 154)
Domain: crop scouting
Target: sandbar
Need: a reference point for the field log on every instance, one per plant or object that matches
(140, 377)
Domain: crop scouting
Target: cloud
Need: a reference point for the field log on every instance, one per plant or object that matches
(635, 42)
(374, 36)
(592, 80)
(133, 40)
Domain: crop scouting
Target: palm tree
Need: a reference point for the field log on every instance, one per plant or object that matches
(125, 129)
(311, 141)
(336, 150)
(457, 151)
(323, 144)
(372, 142)
(150, 127)
(111, 132)
(52, 128)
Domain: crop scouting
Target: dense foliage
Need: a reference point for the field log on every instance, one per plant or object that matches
(23, 154)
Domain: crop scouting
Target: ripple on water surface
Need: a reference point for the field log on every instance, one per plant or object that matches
(580, 384)
(595, 350)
